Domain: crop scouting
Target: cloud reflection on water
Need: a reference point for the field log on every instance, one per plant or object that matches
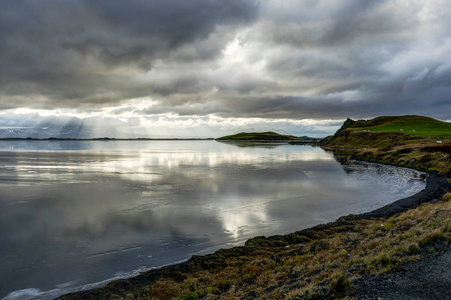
(83, 216)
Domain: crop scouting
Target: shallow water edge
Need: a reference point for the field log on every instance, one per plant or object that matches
(436, 186)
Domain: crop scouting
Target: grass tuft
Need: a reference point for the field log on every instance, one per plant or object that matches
(432, 237)
(446, 197)
(413, 249)
(340, 286)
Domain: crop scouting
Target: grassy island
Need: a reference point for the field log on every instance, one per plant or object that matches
(335, 260)
(258, 136)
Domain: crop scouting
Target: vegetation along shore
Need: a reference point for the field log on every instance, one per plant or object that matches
(390, 253)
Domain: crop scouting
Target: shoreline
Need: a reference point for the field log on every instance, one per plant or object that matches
(105, 139)
(436, 187)
(333, 260)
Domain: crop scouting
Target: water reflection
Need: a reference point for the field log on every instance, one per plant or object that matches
(254, 144)
(82, 216)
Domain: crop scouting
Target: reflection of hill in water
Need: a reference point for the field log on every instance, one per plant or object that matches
(343, 156)
(259, 144)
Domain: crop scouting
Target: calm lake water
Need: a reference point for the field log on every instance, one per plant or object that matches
(76, 213)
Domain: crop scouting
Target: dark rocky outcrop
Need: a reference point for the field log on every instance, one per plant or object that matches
(343, 127)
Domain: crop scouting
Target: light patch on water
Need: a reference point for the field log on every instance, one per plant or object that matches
(83, 217)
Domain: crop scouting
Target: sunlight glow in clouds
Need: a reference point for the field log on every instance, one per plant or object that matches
(130, 116)
(205, 66)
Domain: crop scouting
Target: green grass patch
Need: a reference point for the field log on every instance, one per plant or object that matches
(411, 125)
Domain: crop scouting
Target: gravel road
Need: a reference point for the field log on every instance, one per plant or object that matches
(427, 278)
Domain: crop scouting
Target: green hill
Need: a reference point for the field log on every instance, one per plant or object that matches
(423, 143)
(258, 136)
(411, 125)
(387, 131)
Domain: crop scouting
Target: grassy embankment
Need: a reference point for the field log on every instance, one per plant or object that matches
(409, 141)
(323, 261)
(324, 264)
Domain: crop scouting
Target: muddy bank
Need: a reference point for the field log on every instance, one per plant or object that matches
(436, 186)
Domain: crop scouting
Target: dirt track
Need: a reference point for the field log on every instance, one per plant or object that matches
(427, 278)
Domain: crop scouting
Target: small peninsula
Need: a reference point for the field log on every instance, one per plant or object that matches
(389, 253)
(416, 142)
(268, 136)
(258, 136)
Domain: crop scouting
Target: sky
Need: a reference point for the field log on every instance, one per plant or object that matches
(206, 68)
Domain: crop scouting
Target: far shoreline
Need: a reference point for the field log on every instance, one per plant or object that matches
(107, 139)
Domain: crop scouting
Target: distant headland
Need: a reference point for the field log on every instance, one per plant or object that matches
(265, 136)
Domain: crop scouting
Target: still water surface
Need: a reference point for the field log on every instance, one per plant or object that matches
(74, 213)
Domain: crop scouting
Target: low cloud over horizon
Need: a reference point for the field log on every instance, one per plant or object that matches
(202, 68)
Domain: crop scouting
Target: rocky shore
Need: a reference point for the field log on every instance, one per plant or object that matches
(261, 256)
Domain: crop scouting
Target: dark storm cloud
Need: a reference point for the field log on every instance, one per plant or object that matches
(171, 21)
(359, 57)
(271, 59)
(70, 51)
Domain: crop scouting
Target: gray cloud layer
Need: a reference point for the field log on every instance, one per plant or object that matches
(269, 59)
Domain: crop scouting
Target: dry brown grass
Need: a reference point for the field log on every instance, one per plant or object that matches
(446, 197)
(412, 154)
